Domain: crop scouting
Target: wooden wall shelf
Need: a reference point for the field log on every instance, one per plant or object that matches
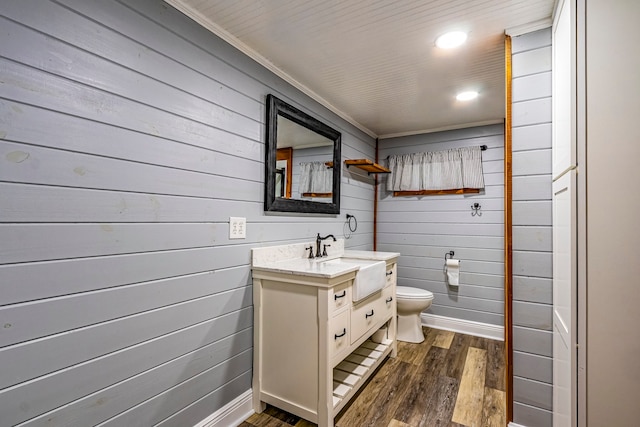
(367, 165)
(436, 192)
(317, 194)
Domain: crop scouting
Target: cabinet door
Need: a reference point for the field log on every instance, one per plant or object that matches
(564, 299)
(564, 142)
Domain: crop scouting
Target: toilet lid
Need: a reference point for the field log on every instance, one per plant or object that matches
(408, 292)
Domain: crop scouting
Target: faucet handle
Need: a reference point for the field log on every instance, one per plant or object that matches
(324, 250)
(310, 249)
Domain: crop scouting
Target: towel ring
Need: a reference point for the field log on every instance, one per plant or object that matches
(352, 226)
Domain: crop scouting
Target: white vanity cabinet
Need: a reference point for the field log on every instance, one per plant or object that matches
(312, 343)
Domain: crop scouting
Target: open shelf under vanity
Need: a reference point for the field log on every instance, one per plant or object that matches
(351, 374)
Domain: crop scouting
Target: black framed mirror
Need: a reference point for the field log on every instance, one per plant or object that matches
(302, 161)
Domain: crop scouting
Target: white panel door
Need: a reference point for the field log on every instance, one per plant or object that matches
(564, 299)
(564, 145)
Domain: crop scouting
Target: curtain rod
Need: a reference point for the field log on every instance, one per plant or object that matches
(482, 147)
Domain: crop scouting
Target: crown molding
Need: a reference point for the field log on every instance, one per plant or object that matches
(442, 129)
(530, 27)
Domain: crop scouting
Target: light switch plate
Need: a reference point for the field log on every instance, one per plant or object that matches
(237, 227)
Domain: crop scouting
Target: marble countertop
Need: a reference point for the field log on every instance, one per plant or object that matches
(317, 267)
(372, 255)
(309, 267)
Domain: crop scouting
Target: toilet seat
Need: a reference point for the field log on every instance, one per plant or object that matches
(407, 292)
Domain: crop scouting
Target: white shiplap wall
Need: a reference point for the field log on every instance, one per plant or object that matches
(128, 136)
(532, 272)
(422, 229)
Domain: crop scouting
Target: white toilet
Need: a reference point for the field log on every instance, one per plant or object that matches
(411, 302)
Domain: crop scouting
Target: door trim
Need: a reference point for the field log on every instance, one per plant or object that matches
(508, 241)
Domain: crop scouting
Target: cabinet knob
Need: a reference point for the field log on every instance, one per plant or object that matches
(344, 332)
(389, 299)
(344, 293)
(367, 315)
(389, 273)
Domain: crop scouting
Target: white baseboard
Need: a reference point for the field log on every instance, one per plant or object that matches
(512, 424)
(232, 414)
(469, 327)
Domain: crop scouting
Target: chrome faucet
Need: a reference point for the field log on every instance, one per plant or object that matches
(320, 239)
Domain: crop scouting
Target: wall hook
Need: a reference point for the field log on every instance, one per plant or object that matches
(475, 209)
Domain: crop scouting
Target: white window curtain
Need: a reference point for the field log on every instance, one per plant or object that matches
(315, 177)
(436, 170)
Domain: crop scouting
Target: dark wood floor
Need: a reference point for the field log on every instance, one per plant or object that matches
(450, 379)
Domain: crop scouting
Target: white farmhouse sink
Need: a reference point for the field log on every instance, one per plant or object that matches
(370, 278)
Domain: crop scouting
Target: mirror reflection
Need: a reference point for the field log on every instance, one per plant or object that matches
(300, 156)
(304, 164)
(284, 162)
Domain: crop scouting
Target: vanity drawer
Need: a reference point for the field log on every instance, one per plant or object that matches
(339, 332)
(366, 314)
(391, 274)
(388, 300)
(339, 296)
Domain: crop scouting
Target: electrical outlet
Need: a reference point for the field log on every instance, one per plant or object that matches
(237, 228)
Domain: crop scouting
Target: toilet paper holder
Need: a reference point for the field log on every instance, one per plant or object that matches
(450, 253)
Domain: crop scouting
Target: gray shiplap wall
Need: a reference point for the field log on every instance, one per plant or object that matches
(422, 229)
(532, 284)
(128, 136)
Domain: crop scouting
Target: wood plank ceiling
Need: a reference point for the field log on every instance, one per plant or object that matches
(374, 61)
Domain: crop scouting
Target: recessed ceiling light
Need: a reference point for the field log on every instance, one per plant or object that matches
(451, 39)
(467, 96)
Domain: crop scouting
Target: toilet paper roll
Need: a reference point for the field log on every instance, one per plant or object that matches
(452, 266)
